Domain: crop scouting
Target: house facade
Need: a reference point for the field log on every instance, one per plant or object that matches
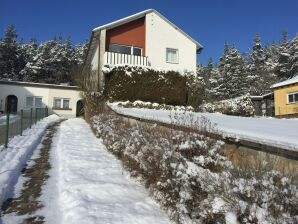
(62, 100)
(143, 39)
(286, 98)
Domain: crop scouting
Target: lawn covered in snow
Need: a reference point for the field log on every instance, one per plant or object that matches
(270, 131)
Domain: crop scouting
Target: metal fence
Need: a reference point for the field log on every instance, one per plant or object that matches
(12, 124)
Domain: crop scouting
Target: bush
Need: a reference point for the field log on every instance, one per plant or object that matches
(190, 177)
(240, 106)
(133, 83)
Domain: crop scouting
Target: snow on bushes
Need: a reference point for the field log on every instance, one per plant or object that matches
(240, 106)
(149, 105)
(190, 177)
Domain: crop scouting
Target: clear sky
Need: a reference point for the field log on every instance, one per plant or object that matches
(210, 22)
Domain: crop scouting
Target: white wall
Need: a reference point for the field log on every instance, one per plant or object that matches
(47, 94)
(161, 35)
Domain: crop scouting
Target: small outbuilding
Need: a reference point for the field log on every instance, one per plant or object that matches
(286, 98)
(63, 100)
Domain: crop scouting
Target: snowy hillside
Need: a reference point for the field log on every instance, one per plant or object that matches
(275, 132)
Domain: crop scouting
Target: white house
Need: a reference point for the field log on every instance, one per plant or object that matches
(144, 39)
(65, 101)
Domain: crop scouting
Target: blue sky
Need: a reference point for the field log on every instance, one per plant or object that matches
(210, 22)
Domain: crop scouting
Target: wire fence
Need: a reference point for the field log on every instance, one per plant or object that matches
(12, 124)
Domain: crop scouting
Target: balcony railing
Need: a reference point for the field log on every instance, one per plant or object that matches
(112, 58)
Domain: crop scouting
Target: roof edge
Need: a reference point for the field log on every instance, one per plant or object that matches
(141, 14)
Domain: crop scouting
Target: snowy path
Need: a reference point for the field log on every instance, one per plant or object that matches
(19, 150)
(275, 132)
(87, 184)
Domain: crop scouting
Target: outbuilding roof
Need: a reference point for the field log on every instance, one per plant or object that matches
(41, 85)
(140, 15)
(287, 82)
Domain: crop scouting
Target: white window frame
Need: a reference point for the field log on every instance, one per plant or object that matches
(175, 49)
(294, 98)
(33, 101)
(131, 49)
(61, 103)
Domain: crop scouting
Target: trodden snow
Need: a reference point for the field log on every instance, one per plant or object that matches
(20, 148)
(87, 184)
(281, 133)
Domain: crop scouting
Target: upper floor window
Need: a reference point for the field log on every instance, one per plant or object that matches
(123, 49)
(293, 97)
(172, 55)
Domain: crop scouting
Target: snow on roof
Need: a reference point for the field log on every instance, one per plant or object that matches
(140, 15)
(45, 85)
(287, 82)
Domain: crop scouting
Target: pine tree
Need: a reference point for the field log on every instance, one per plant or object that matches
(10, 62)
(293, 71)
(234, 75)
(283, 67)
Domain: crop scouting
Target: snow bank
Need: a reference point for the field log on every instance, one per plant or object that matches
(87, 184)
(274, 132)
(150, 105)
(19, 150)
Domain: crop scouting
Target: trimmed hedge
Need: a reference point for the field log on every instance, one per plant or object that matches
(136, 83)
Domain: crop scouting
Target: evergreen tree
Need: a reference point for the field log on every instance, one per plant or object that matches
(294, 57)
(234, 75)
(283, 67)
(10, 62)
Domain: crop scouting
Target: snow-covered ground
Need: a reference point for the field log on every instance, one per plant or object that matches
(275, 132)
(12, 118)
(87, 184)
(19, 149)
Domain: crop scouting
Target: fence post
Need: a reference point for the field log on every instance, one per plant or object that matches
(30, 120)
(22, 122)
(7, 130)
(35, 115)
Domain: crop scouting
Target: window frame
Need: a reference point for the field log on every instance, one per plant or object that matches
(61, 107)
(33, 101)
(177, 51)
(294, 98)
(129, 46)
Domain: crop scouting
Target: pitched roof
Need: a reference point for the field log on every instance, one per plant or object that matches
(142, 14)
(287, 82)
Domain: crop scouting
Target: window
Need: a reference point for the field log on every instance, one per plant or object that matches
(38, 101)
(33, 101)
(172, 55)
(122, 49)
(66, 103)
(292, 97)
(29, 101)
(137, 51)
(60, 103)
(57, 103)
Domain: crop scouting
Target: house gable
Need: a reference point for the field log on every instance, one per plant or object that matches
(130, 34)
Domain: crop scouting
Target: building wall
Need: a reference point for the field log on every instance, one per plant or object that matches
(282, 108)
(161, 35)
(47, 94)
(131, 34)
